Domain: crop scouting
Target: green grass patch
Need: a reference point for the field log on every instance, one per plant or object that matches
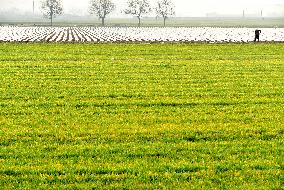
(141, 116)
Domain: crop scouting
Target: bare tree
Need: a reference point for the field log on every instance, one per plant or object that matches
(51, 9)
(165, 8)
(101, 8)
(138, 8)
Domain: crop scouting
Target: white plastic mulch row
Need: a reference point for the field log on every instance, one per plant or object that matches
(134, 34)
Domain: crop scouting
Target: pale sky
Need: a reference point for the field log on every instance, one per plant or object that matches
(182, 7)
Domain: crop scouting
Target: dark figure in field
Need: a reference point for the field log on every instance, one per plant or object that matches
(257, 34)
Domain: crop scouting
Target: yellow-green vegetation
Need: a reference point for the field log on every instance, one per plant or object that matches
(141, 116)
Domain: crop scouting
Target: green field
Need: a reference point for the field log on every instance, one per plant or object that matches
(141, 116)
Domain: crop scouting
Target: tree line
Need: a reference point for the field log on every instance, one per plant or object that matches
(102, 8)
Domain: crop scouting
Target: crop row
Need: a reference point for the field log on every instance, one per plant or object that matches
(134, 34)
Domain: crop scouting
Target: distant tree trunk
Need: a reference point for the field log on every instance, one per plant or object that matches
(103, 21)
(139, 21)
(51, 15)
(165, 21)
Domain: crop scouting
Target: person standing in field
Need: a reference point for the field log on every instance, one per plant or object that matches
(257, 34)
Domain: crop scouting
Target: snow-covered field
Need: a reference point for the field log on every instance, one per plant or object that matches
(134, 34)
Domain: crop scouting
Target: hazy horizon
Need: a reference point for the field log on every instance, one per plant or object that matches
(184, 8)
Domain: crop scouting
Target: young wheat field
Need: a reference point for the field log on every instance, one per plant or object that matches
(141, 116)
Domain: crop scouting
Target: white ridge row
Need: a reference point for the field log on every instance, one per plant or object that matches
(135, 34)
